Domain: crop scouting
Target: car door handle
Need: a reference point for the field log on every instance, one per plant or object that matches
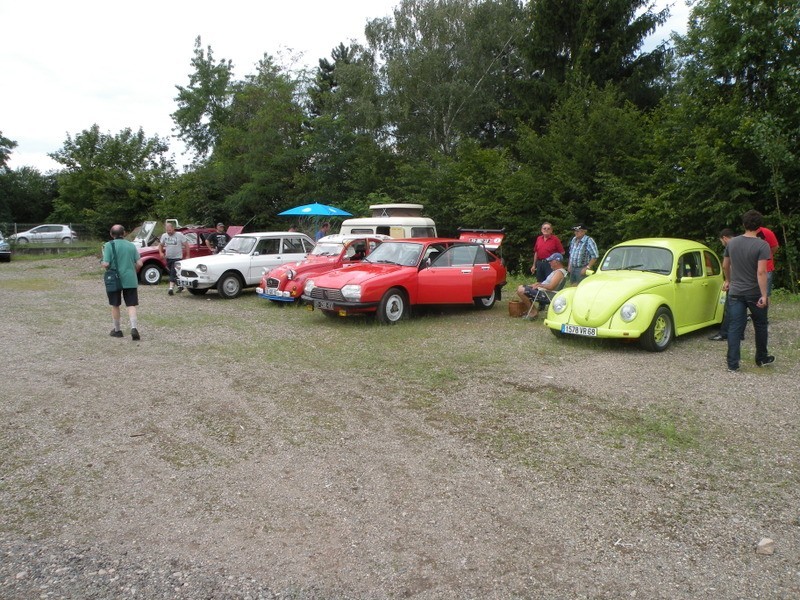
(466, 271)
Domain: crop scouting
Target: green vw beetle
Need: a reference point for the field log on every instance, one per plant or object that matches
(650, 289)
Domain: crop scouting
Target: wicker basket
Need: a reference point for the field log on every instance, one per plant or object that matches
(516, 308)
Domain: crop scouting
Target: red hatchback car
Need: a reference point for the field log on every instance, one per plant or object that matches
(285, 283)
(401, 274)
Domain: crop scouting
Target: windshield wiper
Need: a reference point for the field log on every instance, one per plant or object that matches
(632, 267)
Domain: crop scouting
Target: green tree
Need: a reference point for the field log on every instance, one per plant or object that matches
(26, 196)
(596, 40)
(447, 65)
(734, 118)
(259, 152)
(110, 178)
(347, 157)
(204, 105)
(588, 166)
(6, 147)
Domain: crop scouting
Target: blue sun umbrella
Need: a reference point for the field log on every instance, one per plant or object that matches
(315, 210)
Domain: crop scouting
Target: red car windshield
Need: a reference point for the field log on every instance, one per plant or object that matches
(406, 254)
(328, 249)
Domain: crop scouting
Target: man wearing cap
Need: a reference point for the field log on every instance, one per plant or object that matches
(219, 239)
(544, 246)
(582, 254)
(537, 292)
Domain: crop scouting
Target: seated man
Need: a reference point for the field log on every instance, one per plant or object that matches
(360, 251)
(543, 292)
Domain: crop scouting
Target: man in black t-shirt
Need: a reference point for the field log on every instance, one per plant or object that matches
(219, 239)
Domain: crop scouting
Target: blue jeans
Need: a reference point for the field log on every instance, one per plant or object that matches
(723, 327)
(173, 275)
(726, 317)
(575, 276)
(737, 320)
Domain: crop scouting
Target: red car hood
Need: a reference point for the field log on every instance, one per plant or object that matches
(356, 274)
(309, 264)
(313, 262)
(600, 295)
(148, 251)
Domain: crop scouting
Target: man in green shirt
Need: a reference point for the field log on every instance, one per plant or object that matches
(124, 257)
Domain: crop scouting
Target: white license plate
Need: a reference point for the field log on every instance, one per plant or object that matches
(323, 304)
(184, 283)
(578, 330)
(271, 291)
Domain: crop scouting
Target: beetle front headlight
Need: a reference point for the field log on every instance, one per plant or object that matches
(352, 292)
(628, 312)
(290, 274)
(559, 305)
(202, 268)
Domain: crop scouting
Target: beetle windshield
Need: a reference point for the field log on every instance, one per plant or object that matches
(240, 245)
(399, 253)
(638, 258)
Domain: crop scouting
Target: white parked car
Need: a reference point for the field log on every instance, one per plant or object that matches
(46, 234)
(242, 262)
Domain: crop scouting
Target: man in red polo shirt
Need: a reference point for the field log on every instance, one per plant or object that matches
(545, 246)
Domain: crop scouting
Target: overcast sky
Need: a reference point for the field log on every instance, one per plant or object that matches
(68, 65)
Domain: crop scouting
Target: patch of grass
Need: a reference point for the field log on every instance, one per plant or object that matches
(182, 455)
(72, 252)
(32, 285)
(657, 426)
(425, 402)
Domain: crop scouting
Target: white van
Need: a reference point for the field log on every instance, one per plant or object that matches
(394, 220)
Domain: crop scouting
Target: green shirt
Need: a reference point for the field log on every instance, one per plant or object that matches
(127, 257)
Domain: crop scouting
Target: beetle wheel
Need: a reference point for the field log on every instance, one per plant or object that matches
(659, 335)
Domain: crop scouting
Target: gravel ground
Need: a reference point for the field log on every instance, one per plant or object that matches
(247, 450)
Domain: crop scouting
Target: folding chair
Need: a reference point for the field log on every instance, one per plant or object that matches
(545, 297)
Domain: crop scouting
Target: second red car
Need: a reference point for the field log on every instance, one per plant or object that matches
(401, 274)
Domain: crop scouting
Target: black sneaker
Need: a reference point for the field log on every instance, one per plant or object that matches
(765, 361)
(180, 289)
(733, 369)
(171, 291)
(116, 333)
(135, 334)
(717, 338)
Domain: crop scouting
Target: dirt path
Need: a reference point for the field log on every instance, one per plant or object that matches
(245, 450)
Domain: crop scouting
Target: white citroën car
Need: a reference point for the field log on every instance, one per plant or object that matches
(242, 262)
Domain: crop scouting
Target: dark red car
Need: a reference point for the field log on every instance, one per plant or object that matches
(154, 267)
(401, 274)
